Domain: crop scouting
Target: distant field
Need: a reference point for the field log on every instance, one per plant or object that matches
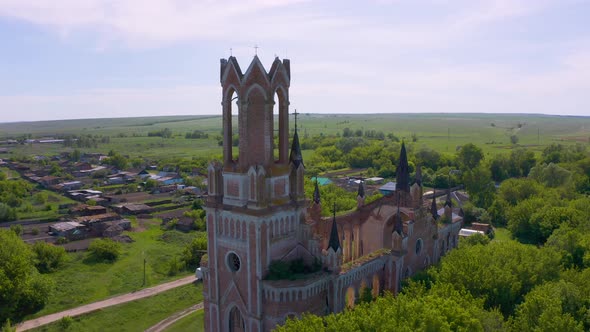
(442, 132)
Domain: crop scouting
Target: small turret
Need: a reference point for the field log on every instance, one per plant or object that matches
(296, 157)
(316, 193)
(297, 167)
(360, 198)
(332, 257)
(334, 241)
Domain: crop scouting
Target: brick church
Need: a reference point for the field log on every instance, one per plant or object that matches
(258, 217)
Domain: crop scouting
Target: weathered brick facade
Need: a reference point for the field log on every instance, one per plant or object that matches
(256, 214)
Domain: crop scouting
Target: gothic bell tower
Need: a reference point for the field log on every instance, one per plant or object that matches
(256, 202)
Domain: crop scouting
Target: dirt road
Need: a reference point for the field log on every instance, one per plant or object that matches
(30, 324)
(163, 325)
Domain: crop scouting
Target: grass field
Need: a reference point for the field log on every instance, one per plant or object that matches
(442, 132)
(134, 316)
(80, 282)
(193, 322)
(502, 234)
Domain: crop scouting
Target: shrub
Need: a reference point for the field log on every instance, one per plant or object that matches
(174, 266)
(65, 322)
(104, 250)
(17, 229)
(35, 231)
(61, 240)
(191, 256)
(48, 257)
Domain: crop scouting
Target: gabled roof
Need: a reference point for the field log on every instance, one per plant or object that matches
(256, 65)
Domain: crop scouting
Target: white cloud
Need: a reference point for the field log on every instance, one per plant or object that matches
(341, 62)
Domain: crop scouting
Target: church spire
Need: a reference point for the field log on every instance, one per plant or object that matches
(316, 192)
(433, 208)
(403, 172)
(334, 241)
(296, 157)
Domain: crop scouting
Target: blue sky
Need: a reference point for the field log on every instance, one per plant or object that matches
(113, 58)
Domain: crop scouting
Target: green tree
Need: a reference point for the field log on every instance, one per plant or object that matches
(500, 273)
(118, 161)
(550, 175)
(75, 156)
(192, 253)
(554, 306)
(104, 250)
(22, 289)
(441, 308)
(469, 156)
(573, 244)
(48, 257)
(17, 229)
(479, 186)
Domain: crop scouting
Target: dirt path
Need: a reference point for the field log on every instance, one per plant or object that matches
(163, 325)
(33, 323)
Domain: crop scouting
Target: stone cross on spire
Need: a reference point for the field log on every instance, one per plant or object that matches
(256, 49)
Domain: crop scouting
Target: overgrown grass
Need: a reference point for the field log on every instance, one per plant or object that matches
(136, 315)
(193, 322)
(36, 210)
(81, 281)
(502, 234)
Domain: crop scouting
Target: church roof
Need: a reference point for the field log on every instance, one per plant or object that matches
(334, 241)
(403, 171)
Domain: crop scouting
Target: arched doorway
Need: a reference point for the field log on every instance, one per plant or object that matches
(236, 321)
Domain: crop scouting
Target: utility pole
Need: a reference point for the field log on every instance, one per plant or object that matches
(144, 261)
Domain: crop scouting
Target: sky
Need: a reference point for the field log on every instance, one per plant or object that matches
(67, 59)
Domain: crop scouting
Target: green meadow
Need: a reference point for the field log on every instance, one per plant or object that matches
(193, 322)
(83, 281)
(136, 315)
(442, 132)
